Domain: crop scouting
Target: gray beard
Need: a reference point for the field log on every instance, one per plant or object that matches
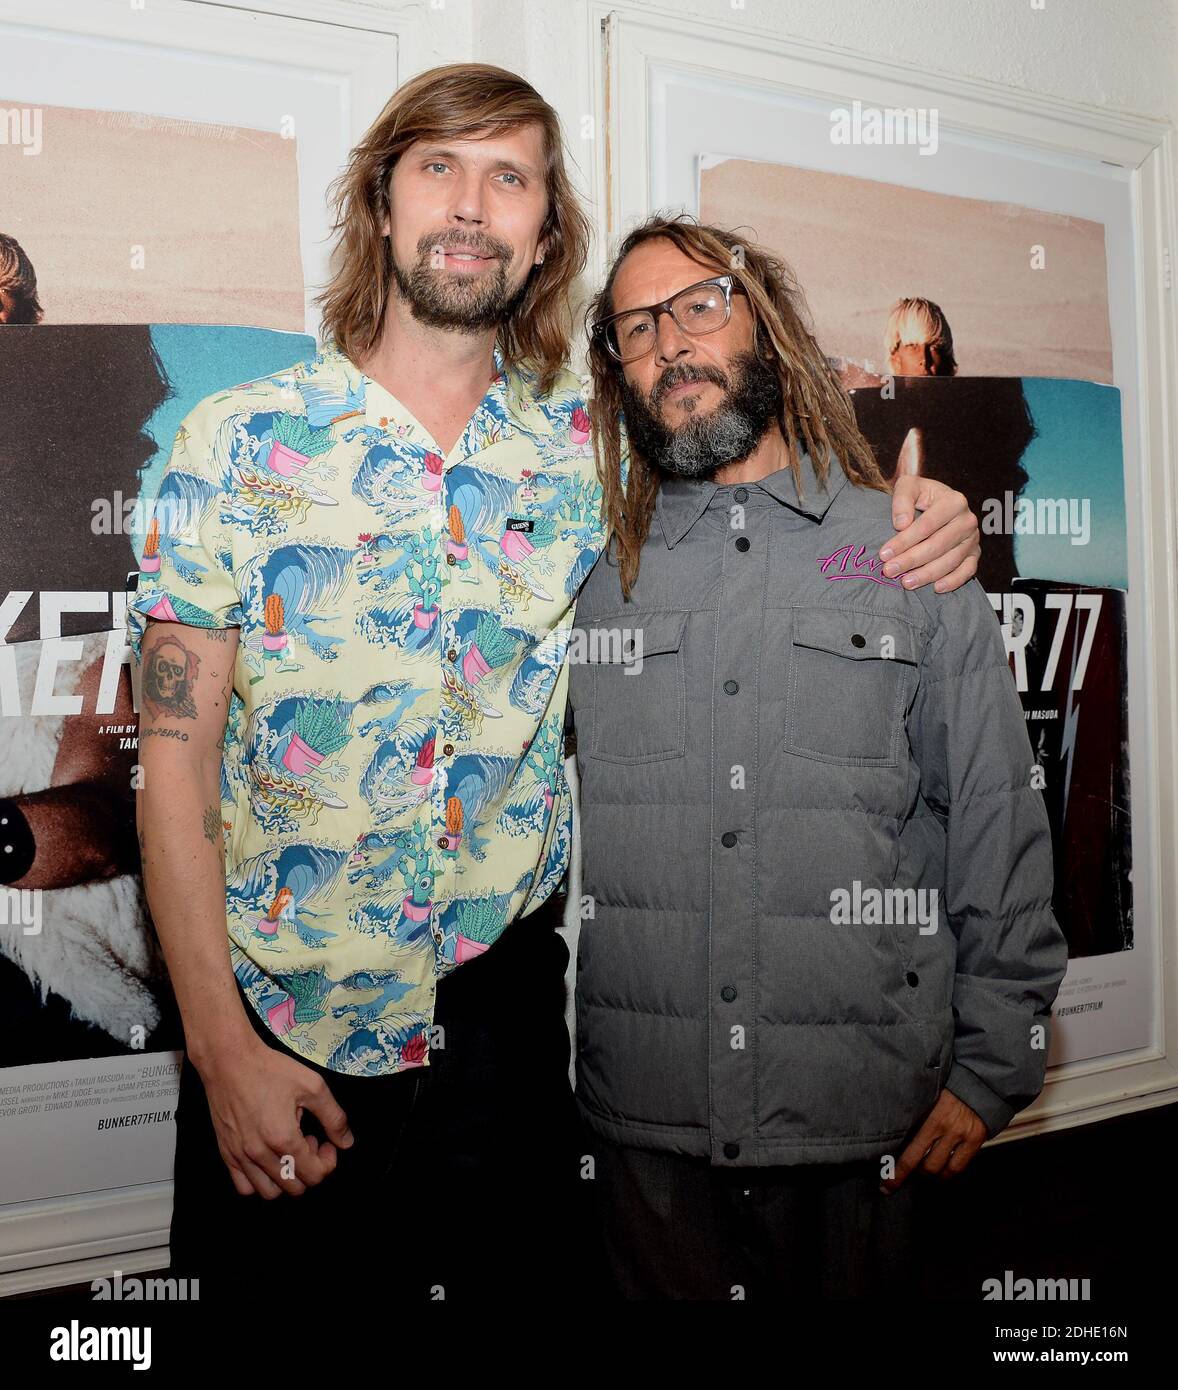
(707, 442)
(698, 448)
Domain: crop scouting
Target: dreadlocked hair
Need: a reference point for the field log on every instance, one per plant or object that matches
(816, 413)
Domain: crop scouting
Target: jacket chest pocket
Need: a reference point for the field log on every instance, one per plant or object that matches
(851, 678)
(635, 667)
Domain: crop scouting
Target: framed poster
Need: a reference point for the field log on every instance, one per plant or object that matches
(882, 183)
(150, 301)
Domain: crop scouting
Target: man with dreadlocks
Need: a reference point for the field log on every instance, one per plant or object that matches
(819, 952)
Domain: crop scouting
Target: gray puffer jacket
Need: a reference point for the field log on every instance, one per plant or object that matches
(800, 740)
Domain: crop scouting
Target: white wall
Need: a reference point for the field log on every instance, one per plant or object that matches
(1116, 53)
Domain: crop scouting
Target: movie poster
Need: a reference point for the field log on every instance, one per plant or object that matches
(974, 338)
(88, 1026)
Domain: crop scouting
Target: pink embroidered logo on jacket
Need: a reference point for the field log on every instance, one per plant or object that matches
(851, 562)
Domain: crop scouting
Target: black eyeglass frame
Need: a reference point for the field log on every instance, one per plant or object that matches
(728, 283)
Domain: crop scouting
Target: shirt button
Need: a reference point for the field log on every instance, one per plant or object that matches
(742, 544)
(730, 687)
(451, 655)
(912, 978)
(858, 640)
(741, 494)
(441, 842)
(731, 1150)
(450, 560)
(728, 994)
(728, 839)
(447, 749)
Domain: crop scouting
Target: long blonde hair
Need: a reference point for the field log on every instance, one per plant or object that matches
(816, 412)
(452, 103)
(912, 319)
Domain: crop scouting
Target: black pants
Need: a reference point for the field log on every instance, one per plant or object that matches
(676, 1227)
(464, 1182)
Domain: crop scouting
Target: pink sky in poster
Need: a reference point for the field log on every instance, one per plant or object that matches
(133, 218)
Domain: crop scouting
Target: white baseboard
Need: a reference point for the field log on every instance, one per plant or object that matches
(67, 1240)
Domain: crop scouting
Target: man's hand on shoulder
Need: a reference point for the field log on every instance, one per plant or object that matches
(940, 546)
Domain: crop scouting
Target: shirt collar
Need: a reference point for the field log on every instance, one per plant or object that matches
(682, 501)
(510, 388)
(515, 388)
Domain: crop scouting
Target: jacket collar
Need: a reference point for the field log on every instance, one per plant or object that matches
(682, 501)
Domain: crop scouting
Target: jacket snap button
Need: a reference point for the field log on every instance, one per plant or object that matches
(741, 494)
(731, 1150)
(728, 839)
(913, 978)
(730, 687)
(742, 543)
(858, 640)
(728, 994)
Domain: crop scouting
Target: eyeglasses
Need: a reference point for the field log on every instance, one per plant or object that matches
(700, 308)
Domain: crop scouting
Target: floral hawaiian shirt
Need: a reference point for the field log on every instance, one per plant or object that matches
(392, 784)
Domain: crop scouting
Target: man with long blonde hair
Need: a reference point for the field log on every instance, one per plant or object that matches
(918, 339)
(818, 951)
(355, 715)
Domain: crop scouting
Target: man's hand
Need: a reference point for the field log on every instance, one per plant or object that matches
(257, 1101)
(941, 544)
(944, 1144)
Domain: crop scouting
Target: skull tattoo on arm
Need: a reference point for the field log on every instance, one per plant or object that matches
(169, 673)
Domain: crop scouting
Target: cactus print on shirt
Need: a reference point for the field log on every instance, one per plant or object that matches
(392, 784)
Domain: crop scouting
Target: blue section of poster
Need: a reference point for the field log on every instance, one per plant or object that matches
(1041, 463)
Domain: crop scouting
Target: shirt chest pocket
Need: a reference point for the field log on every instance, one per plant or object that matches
(851, 678)
(639, 696)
